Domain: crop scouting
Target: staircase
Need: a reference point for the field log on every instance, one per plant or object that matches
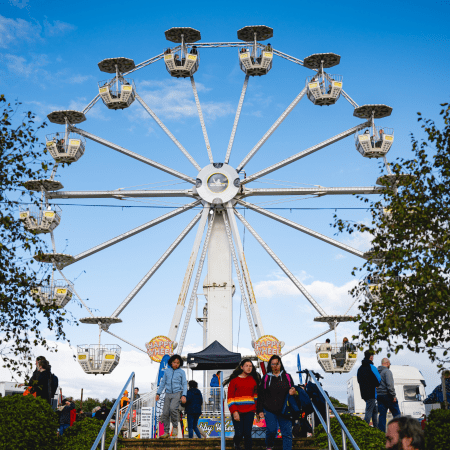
(208, 444)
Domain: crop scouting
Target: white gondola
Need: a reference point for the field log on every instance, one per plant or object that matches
(41, 220)
(119, 92)
(323, 88)
(374, 142)
(58, 292)
(255, 60)
(371, 285)
(334, 358)
(181, 62)
(65, 149)
(98, 358)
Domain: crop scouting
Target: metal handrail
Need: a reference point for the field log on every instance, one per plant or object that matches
(345, 432)
(102, 434)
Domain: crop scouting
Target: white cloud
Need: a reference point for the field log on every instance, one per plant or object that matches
(19, 3)
(57, 28)
(360, 241)
(16, 31)
(174, 99)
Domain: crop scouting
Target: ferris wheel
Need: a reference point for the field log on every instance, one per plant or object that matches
(216, 190)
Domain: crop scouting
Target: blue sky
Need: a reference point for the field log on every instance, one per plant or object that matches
(391, 52)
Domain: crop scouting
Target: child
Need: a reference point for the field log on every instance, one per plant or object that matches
(174, 381)
(193, 409)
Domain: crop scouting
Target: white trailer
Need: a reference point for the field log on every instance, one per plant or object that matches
(409, 387)
(10, 388)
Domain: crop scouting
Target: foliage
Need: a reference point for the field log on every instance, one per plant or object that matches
(90, 403)
(409, 264)
(337, 404)
(367, 437)
(82, 435)
(20, 317)
(437, 431)
(27, 422)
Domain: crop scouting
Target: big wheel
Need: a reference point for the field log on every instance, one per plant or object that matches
(218, 191)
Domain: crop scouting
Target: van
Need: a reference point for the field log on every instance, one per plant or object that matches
(10, 388)
(409, 387)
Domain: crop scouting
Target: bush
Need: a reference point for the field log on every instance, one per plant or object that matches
(365, 436)
(27, 423)
(437, 431)
(82, 435)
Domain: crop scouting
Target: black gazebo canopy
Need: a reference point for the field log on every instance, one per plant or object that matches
(214, 357)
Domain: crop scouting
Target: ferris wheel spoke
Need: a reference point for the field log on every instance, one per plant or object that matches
(303, 229)
(289, 274)
(304, 153)
(121, 193)
(288, 57)
(91, 104)
(135, 231)
(248, 282)
(307, 342)
(158, 264)
(165, 129)
(131, 154)
(236, 119)
(319, 191)
(241, 285)
(149, 61)
(202, 121)
(188, 275)
(271, 130)
(349, 99)
(196, 283)
(124, 340)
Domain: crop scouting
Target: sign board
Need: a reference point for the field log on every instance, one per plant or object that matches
(158, 347)
(146, 423)
(267, 346)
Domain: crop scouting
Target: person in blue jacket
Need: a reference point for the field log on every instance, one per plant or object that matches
(369, 379)
(193, 409)
(175, 384)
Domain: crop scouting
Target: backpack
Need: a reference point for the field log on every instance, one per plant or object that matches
(54, 383)
(290, 409)
(304, 401)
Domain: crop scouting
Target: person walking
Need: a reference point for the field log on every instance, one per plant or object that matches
(369, 379)
(175, 384)
(124, 401)
(242, 398)
(64, 415)
(272, 393)
(386, 396)
(193, 409)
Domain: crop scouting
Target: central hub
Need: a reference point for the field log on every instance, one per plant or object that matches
(217, 183)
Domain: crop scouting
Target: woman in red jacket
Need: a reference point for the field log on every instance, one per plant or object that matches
(242, 397)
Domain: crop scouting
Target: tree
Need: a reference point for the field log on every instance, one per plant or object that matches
(20, 317)
(407, 304)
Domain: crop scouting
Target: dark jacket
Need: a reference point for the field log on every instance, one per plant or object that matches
(369, 379)
(102, 413)
(387, 382)
(64, 416)
(272, 392)
(42, 387)
(437, 395)
(194, 401)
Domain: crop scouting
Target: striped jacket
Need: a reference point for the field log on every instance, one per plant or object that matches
(242, 395)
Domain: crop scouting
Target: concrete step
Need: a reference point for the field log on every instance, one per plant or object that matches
(208, 444)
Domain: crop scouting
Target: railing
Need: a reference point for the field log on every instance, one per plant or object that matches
(324, 82)
(114, 88)
(326, 423)
(102, 434)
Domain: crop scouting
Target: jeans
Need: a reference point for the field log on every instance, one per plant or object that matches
(272, 422)
(243, 429)
(371, 412)
(62, 427)
(192, 421)
(386, 402)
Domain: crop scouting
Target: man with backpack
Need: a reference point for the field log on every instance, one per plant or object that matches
(369, 379)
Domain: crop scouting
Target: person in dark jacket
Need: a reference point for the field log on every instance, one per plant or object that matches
(193, 409)
(42, 387)
(369, 379)
(386, 397)
(437, 395)
(272, 392)
(102, 413)
(33, 380)
(64, 415)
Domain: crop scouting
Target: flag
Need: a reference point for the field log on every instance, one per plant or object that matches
(299, 368)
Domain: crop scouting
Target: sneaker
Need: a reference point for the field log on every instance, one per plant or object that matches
(175, 433)
(164, 436)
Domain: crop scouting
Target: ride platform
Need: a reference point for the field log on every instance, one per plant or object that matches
(210, 444)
